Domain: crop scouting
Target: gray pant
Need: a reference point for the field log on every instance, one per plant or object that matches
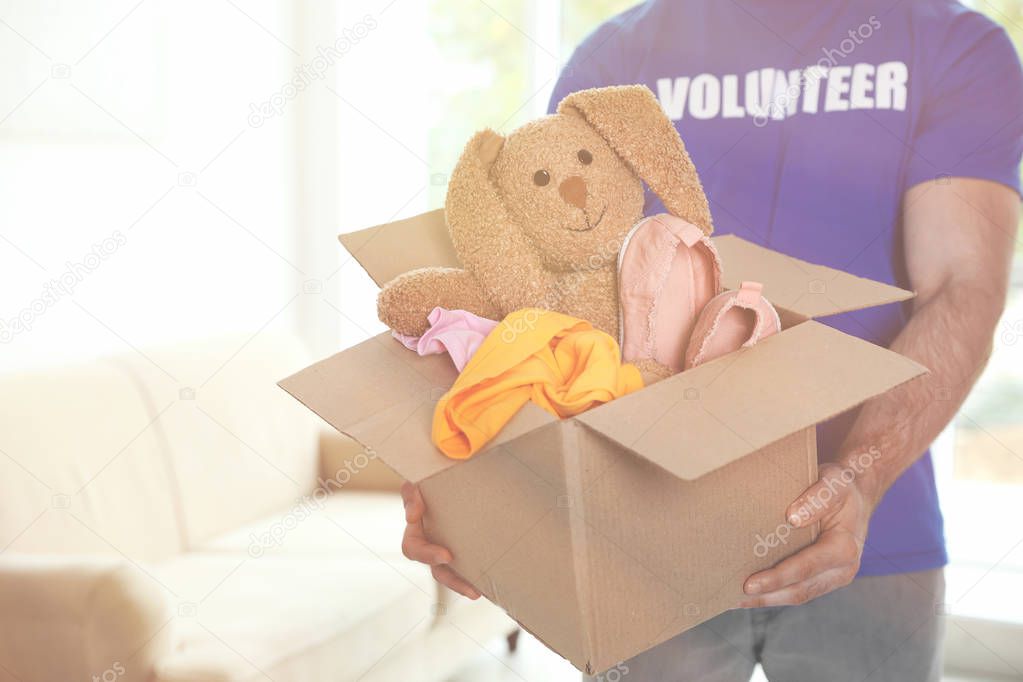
(873, 630)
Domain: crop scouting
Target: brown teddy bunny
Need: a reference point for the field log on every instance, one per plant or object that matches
(537, 218)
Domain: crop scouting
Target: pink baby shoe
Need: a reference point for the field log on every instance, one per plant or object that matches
(732, 320)
(668, 270)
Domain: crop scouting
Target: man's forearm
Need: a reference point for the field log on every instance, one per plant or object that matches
(950, 334)
(958, 237)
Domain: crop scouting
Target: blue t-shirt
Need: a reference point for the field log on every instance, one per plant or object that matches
(808, 120)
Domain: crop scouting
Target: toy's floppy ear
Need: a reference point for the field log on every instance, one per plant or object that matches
(631, 120)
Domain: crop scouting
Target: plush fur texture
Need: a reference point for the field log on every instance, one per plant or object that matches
(537, 218)
(651, 370)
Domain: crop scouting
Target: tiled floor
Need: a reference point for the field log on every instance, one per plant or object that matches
(535, 663)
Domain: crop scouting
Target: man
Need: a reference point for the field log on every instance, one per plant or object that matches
(879, 138)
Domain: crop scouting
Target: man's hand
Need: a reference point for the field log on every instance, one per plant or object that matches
(415, 546)
(842, 507)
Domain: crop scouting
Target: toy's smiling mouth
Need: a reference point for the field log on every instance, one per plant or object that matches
(589, 225)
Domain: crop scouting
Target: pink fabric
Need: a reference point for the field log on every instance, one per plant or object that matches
(457, 332)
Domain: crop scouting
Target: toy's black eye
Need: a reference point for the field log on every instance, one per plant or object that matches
(585, 157)
(541, 178)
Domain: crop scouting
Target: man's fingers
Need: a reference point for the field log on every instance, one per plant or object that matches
(413, 500)
(802, 592)
(833, 550)
(821, 498)
(446, 576)
(414, 544)
(416, 547)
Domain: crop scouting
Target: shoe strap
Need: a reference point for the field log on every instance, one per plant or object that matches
(689, 234)
(749, 294)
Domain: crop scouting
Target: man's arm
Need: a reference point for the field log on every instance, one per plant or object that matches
(958, 237)
(959, 241)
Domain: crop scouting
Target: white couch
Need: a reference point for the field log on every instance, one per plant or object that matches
(172, 515)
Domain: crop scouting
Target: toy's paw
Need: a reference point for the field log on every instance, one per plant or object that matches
(405, 302)
(488, 145)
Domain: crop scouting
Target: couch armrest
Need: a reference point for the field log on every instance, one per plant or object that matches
(65, 618)
(345, 465)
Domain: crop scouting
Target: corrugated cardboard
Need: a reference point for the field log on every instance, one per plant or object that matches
(610, 532)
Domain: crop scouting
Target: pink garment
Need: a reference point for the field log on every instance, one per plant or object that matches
(458, 332)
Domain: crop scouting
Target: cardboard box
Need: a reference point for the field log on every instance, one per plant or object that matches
(608, 533)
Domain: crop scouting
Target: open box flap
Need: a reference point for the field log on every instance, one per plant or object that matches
(383, 395)
(706, 417)
(809, 290)
(386, 251)
(797, 286)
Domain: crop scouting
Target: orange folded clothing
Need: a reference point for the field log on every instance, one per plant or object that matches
(559, 362)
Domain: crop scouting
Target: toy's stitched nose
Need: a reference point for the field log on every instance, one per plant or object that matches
(573, 191)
